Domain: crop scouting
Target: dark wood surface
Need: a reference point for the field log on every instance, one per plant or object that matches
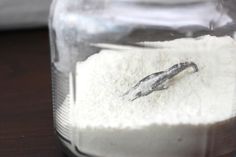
(26, 124)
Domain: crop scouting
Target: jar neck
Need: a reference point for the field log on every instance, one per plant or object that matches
(167, 2)
(201, 14)
(197, 14)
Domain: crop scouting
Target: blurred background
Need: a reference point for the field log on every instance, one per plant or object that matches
(15, 14)
(26, 123)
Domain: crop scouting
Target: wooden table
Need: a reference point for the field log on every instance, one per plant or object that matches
(26, 125)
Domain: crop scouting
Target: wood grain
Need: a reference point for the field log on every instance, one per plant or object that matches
(26, 125)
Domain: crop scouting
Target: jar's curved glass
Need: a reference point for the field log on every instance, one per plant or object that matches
(144, 78)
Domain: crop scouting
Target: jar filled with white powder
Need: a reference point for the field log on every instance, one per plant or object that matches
(144, 78)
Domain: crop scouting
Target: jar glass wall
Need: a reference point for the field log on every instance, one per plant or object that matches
(144, 78)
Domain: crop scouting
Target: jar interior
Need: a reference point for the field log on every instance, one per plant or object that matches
(104, 61)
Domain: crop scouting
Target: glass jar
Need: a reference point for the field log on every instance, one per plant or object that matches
(144, 78)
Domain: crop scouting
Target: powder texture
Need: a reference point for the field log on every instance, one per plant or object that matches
(192, 98)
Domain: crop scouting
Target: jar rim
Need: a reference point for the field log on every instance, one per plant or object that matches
(169, 1)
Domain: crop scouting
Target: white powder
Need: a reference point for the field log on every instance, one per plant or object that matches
(164, 122)
(193, 98)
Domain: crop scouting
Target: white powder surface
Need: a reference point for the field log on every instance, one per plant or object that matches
(204, 97)
(168, 123)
